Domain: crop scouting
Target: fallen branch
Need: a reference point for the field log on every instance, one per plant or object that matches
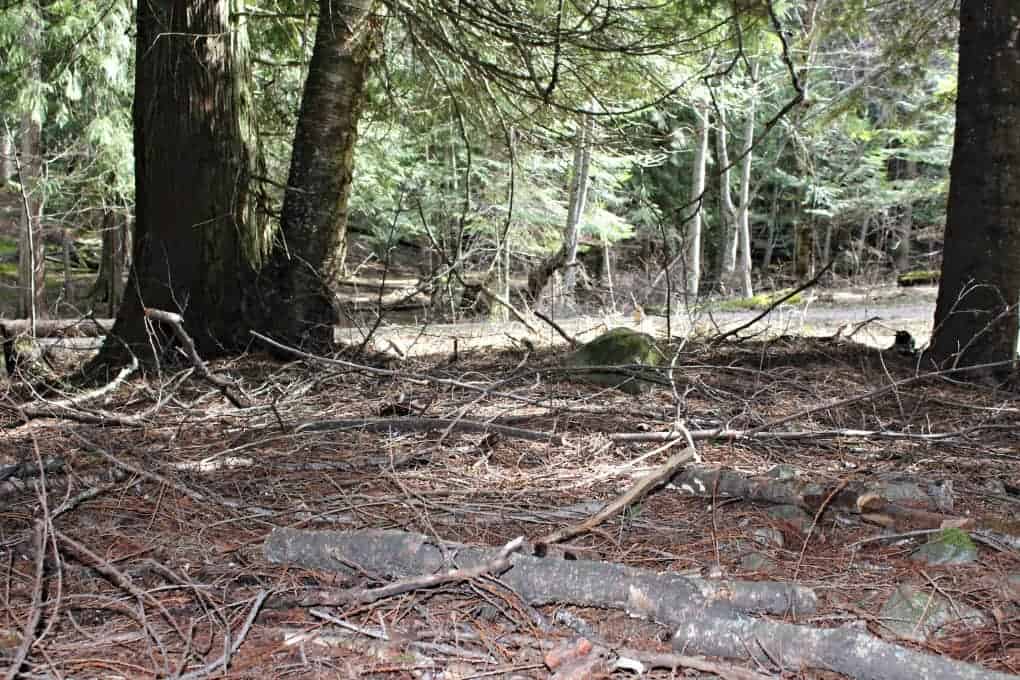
(660, 597)
(226, 387)
(412, 424)
(721, 631)
(768, 310)
(632, 495)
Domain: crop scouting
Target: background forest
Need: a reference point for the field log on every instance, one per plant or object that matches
(822, 130)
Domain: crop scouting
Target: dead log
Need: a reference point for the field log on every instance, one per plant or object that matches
(722, 631)
(57, 328)
(660, 597)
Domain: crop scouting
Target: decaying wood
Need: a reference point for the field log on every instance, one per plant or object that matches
(723, 631)
(56, 328)
(659, 597)
(417, 424)
(857, 497)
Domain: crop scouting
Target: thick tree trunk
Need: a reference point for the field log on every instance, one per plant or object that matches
(976, 311)
(302, 275)
(6, 157)
(109, 286)
(692, 232)
(31, 254)
(578, 198)
(195, 233)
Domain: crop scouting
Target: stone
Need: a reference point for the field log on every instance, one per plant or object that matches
(618, 347)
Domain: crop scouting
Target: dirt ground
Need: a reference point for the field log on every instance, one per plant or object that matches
(133, 526)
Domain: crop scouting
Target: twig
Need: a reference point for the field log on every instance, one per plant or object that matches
(35, 614)
(413, 424)
(226, 387)
(768, 310)
(556, 327)
(224, 658)
(635, 493)
(365, 595)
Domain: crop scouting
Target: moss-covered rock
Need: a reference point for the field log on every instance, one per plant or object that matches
(618, 347)
(918, 277)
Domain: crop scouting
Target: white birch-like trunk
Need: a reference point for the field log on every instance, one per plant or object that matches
(744, 209)
(728, 212)
(578, 198)
(692, 242)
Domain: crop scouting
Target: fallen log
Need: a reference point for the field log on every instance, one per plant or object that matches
(660, 597)
(56, 328)
(722, 631)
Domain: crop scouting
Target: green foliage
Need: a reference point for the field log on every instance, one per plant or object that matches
(761, 301)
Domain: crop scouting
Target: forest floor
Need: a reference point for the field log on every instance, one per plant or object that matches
(140, 531)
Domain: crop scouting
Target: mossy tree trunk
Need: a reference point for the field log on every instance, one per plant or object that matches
(196, 236)
(976, 312)
(31, 254)
(300, 281)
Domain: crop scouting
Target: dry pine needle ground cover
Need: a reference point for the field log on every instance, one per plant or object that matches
(138, 550)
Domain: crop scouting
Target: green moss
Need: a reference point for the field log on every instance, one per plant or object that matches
(759, 302)
(957, 538)
(618, 347)
(918, 277)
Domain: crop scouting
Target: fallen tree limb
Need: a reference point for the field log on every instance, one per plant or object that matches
(722, 631)
(57, 328)
(636, 492)
(420, 424)
(658, 597)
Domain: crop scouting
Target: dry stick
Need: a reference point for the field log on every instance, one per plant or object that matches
(224, 658)
(635, 493)
(413, 424)
(28, 631)
(175, 322)
(118, 578)
(768, 310)
(556, 327)
(365, 595)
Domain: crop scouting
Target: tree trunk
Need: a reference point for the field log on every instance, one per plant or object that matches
(976, 311)
(196, 238)
(7, 170)
(303, 273)
(728, 211)
(744, 209)
(109, 286)
(578, 198)
(31, 253)
(692, 240)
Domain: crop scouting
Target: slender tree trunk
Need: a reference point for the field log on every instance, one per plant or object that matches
(728, 212)
(196, 235)
(692, 241)
(31, 260)
(303, 274)
(578, 198)
(7, 170)
(976, 318)
(744, 209)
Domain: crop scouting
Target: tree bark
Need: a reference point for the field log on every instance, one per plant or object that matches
(744, 209)
(300, 281)
(196, 236)
(728, 211)
(31, 260)
(976, 310)
(692, 240)
(578, 198)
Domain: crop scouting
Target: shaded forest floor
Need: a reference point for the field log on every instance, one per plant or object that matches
(154, 559)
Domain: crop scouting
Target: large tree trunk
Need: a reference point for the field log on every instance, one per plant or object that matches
(195, 233)
(976, 311)
(301, 278)
(31, 260)
(692, 231)
(578, 198)
(6, 157)
(109, 286)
